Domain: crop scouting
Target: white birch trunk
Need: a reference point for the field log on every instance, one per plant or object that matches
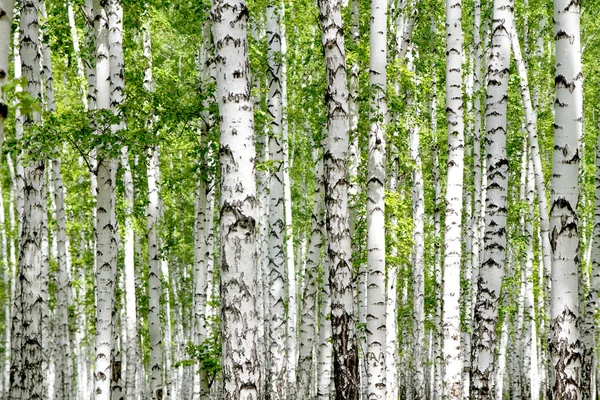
(499, 373)
(238, 217)
(292, 304)
(6, 10)
(27, 353)
(154, 283)
(376, 328)
(201, 229)
(531, 386)
(531, 125)
(565, 345)
(114, 13)
(452, 368)
(277, 322)
(106, 224)
(77, 53)
(308, 331)
(418, 258)
(345, 352)
(494, 254)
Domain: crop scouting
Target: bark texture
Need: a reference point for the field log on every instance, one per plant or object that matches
(239, 279)
(376, 327)
(451, 387)
(565, 345)
(345, 352)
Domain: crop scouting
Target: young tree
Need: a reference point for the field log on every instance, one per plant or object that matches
(239, 280)
(345, 351)
(565, 344)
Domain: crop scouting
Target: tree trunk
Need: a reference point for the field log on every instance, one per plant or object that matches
(277, 322)
(26, 372)
(154, 282)
(494, 241)
(345, 352)
(239, 280)
(451, 388)
(308, 324)
(565, 345)
(376, 328)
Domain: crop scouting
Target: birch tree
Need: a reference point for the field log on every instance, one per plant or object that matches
(451, 388)
(345, 351)
(106, 224)
(565, 345)
(239, 280)
(277, 322)
(494, 240)
(376, 328)
(26, 369)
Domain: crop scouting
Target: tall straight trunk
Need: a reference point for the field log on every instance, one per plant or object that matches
(418, 267)
(451, 388)
(6, 12)
(64, 296)
(292, 303)
(565, 345)
(531, 386)
(376, 329)
(26, 370)
(531, 126)
(167, 337)
(106, 224)
(494, 240)
(345, 351)
(437, 359)
(324, 353)
(114, 13)
(308, 325)
(354, 187)
(77, 53)
(202, 229)
(154, 282)
(238, 218)
(277, 322)
(477, 221)
(592, 299)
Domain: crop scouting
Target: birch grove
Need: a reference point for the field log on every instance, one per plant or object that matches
(299, 200)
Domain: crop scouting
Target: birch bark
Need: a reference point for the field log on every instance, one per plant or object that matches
(277, 324)
(308, 325)
(494, 241)
(26, 370)
(451, 388)
(565, 345)
(106, 224)
(345, 352)
(239, 280)
(376, 328)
